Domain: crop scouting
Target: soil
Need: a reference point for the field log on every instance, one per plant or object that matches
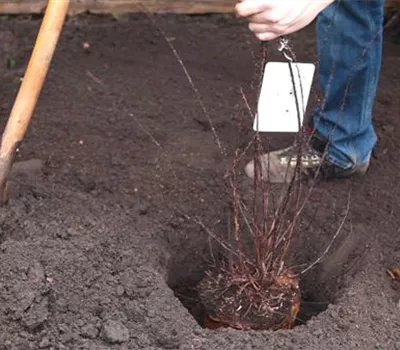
(103, 249)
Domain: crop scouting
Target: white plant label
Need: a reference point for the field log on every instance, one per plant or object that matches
(277, 107)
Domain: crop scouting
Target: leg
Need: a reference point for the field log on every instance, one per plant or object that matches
(350, 38)
(350, 49)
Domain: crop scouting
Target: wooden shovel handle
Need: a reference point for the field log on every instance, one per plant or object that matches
(36, 72)
(31, 87)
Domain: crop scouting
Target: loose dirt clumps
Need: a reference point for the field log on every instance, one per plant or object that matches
(103, 248)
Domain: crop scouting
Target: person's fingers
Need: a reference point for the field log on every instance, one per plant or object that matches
(259, 27)
(259, 18)
(272, 33)
(251, 7)
(267, 36)
(264, 28)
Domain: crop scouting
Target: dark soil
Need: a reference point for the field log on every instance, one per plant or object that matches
(101, 252)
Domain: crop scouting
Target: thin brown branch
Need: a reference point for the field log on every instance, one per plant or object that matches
(328, 248)
(188, 77)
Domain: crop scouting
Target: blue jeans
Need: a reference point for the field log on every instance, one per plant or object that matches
(349, 34)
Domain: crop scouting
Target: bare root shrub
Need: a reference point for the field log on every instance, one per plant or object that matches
(252, 288)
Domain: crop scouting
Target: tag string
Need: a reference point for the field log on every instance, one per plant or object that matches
(286, 50)
(290, 56)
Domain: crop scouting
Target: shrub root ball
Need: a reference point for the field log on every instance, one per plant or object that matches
(235, 301)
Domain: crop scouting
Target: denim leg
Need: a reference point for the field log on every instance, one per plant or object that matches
(349, 34)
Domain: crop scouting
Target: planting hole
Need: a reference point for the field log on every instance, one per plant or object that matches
(227, 299)
(184, 278)
(184, 288)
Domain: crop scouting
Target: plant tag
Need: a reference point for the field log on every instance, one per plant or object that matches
(277, 107)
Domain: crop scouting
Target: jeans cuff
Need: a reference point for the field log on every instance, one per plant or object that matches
(320, 145)
(333, 160)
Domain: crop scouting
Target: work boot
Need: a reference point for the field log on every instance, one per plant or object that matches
(281, 165)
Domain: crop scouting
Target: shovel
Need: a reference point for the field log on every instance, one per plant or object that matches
(30, 89)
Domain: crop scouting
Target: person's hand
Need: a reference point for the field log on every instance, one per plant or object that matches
(270, 19)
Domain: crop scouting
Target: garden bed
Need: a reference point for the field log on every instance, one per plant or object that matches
(103, 251)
